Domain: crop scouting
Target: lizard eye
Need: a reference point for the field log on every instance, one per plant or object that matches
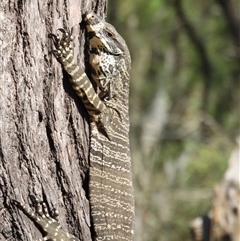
(109, 34)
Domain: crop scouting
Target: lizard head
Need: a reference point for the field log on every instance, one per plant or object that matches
(109, 57)
(104, 36)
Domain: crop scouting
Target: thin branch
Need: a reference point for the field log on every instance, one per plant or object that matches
(202, 52)
(232, 19)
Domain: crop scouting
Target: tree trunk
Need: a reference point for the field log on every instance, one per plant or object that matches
(44, 141)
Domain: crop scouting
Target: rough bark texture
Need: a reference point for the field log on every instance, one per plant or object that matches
(44, 139)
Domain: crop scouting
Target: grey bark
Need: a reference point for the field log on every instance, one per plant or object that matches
(44, 132)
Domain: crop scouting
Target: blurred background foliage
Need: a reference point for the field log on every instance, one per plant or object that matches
(184, 106)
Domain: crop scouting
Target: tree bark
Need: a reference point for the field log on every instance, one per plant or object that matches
(44, 139)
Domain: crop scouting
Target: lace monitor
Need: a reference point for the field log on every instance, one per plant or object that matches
(105, 95)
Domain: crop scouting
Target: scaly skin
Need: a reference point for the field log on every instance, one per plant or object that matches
(49, 224)
(110, 184)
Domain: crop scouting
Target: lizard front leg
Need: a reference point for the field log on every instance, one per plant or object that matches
(97, 110)
(79, 80)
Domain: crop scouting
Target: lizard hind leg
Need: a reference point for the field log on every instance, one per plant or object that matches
(41, 208)
(41, 216)
(42, 211)
(28, 211)
(44, 239)
(55, 214)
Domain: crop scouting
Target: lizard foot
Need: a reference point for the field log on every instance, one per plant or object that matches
(48, 223)
(63, 45)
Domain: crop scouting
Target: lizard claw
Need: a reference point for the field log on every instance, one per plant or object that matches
(54, 37)
(64, 31)
(63, 45)
(56, 53)
(66, 37)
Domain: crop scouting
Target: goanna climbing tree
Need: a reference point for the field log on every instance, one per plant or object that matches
(44, 135)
